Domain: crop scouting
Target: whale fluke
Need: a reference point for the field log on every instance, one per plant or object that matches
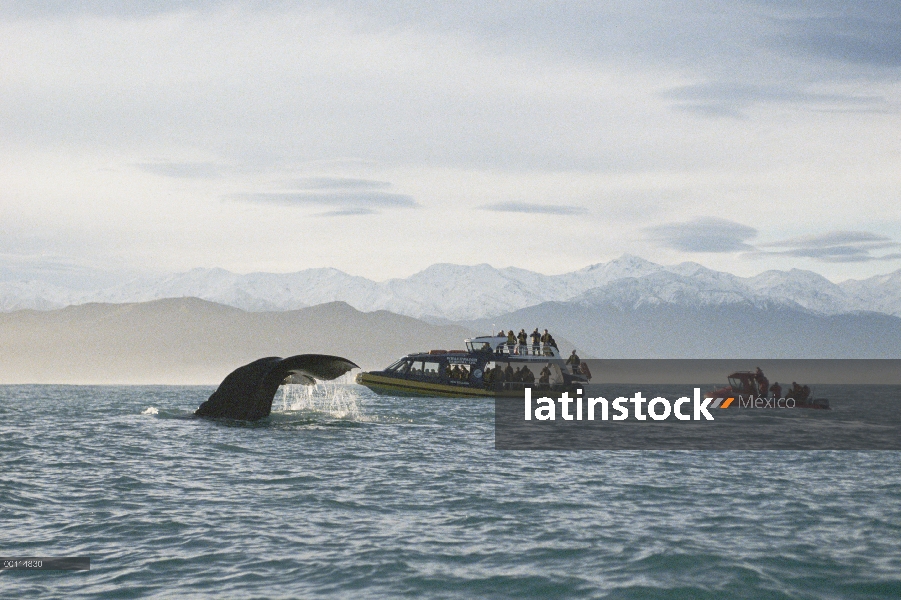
(247, 392)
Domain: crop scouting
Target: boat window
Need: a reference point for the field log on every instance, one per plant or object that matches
(427, 369)
(478, 346)
(404, 367)
(400, 366)
(431, 370)
(458, 372)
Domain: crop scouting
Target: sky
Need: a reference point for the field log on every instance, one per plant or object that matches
(382, 137)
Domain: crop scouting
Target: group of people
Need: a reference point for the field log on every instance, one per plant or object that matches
(797, 391)
(459, 372)
(498, 376)
(518, 343)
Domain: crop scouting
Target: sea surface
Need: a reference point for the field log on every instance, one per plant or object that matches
(342, 493)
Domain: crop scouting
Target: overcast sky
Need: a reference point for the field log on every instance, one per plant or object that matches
(382, 137)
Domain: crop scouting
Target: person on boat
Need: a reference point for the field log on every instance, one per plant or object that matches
(500, 377)
(795, 391)
(501, 333)
(511, 341)
(488, 378)
(508, 373)
(523, 339)
(575, 361)
(805, 392)
(551, 343)
(544, 378)
(517, 375)
(528, 377)
(763, 384)
(545, 337)
(456, 373)
(536, 341)
(776, 389)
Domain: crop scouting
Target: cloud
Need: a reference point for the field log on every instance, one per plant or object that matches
(728, 99)
(182, 170)
(866, 33)
(344, 203)
(347, 212)
(338, 183)
(537, 209)
(835, 247)
(705, 234)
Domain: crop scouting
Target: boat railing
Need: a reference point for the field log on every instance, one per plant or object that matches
(544, 350)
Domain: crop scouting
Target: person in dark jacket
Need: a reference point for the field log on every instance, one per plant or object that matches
(575, 361)
(528, 377)
(544, 378)
(536, 341)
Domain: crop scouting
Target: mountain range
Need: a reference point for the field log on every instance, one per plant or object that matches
(188, 340)
(446, 292)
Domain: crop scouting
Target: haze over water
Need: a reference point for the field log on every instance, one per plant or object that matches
(344, 493)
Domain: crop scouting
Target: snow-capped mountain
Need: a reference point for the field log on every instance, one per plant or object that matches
(671, 288)
(455, 292)
(881, 293)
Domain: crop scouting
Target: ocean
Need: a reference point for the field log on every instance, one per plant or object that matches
(342, 493)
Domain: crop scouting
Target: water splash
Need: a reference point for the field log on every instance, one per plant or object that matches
(337, 401)
(150, 410)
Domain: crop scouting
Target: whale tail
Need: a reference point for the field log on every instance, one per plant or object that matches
(247, 392)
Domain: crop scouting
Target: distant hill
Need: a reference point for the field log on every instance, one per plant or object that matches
(187, 340)
(603, 328)
(445, 292)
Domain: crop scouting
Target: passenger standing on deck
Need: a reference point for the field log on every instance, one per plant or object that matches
(523, 340)
(544, 378)
(499, 377)
(488, 378)
(776, 389)
(536, 341)
(574, 360)
(527, 376)
(511, 341)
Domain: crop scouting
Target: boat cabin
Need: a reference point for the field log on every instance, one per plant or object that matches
(743, 382)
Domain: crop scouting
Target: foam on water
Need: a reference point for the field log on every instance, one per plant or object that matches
(334, 400)
(150, 410)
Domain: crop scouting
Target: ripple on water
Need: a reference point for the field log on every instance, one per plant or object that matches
(341, 492)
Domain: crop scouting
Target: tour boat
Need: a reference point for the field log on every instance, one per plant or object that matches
(744, 385)
(474, 372)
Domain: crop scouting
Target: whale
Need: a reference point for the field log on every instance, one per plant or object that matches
(246, 394)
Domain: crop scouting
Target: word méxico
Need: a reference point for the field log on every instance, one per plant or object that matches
(658, 409)
(761, 402)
